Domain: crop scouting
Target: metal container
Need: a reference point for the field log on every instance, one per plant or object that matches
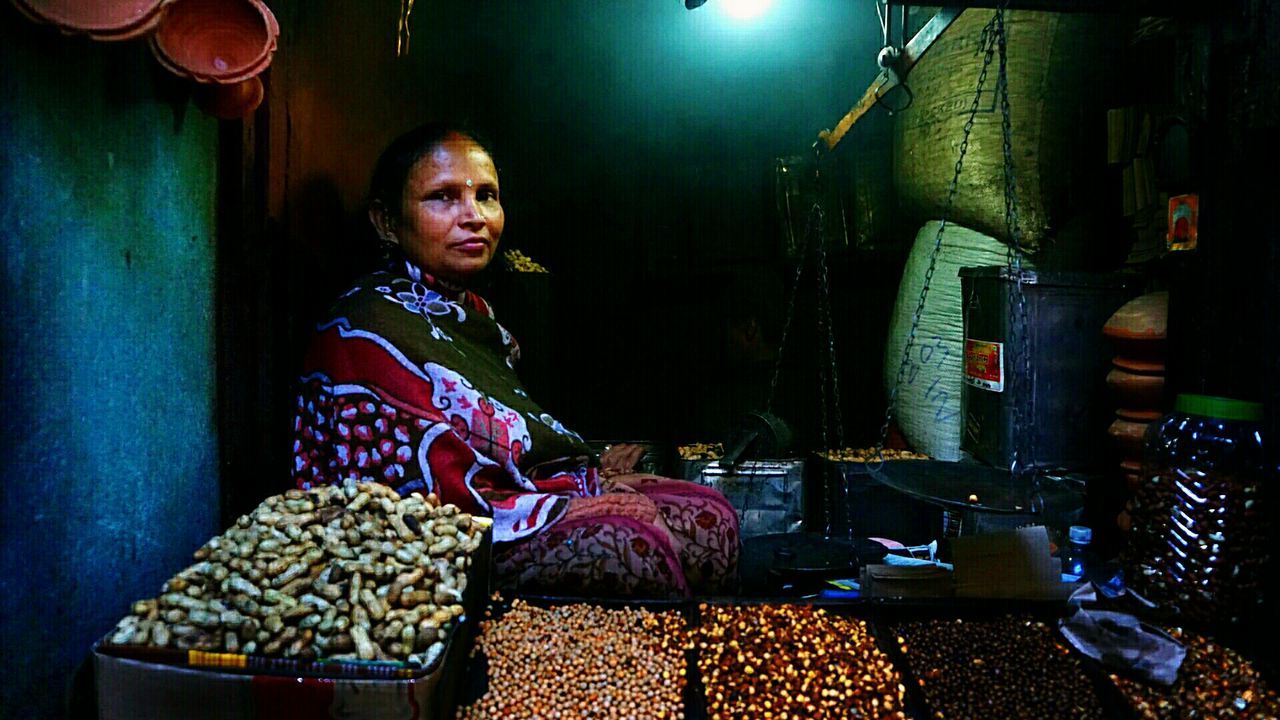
(976, 499)
(768, 494)
(1064, 397)
(849, 501)
(691, 470)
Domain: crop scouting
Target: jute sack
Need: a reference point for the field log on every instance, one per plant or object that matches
(928, 404)
(1055, 67)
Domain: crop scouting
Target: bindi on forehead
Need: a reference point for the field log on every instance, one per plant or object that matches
(469, 158)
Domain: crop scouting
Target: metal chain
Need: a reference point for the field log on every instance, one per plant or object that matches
(1019, 336)
(823, 321)
(824, 315)
(813, 235)
(791, 304)
(987, 45)
(830, 442)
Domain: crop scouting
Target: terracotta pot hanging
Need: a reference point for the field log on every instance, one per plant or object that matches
(216, 41)
(230, 102)
(99, 19)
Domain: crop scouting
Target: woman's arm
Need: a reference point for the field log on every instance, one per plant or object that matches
(619, 459)
(349, 426)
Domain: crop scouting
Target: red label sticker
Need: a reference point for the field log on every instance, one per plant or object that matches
(984, 364)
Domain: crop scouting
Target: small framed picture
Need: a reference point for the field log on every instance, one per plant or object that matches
(1184, 218)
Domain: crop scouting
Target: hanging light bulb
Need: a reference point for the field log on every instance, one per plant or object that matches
(740, 9)
(745, 9)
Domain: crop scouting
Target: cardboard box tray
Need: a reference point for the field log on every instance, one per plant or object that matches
(132, 688)
(474, 599)
(139, 682)
(263, 665)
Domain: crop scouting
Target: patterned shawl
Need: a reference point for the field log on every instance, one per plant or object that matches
(411, 386)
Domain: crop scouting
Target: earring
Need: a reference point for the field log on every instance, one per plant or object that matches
(388, 246)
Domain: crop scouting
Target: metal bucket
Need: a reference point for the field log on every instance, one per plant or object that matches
(768, 494)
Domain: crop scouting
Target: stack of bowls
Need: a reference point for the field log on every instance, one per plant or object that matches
(108, 20)
(221, 45)
(1138, 331)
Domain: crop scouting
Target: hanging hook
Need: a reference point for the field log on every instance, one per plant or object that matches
(402, 28)
(891, 109)
(890, 61)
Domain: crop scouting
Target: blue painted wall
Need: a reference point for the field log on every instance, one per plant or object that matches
(106, 348)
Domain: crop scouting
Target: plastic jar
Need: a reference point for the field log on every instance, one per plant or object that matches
(1197, 542)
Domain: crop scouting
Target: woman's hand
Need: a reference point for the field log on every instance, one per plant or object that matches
(620, 459)
(617, 484)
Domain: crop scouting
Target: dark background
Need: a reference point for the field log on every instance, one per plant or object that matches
(162, 269)
(636, 143)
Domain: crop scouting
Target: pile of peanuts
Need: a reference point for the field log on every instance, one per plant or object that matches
(1005, 668)
(519, 262)
(867, 455)
(701, 451)
(792, 662)
(582, 661)
(1213, 682)
(337, 572)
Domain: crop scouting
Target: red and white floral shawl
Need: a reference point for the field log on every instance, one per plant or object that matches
(408, 386)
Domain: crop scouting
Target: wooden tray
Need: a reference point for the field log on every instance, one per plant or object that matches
(881, 615)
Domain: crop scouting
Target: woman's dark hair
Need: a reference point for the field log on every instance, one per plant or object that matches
(393, 166)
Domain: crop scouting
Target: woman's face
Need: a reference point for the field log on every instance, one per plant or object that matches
(451, 219)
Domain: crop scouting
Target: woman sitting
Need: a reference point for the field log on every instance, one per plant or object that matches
(410, 381)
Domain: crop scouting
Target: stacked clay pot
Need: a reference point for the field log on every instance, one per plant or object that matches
(221, 45)
(1137, 331)
(108, 20)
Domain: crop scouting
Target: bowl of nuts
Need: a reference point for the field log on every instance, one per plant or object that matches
(556, 658)
(798, 661)
(517, 261)
(848, 498)
(1214, 681)
(999, 666)
(693, 458)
